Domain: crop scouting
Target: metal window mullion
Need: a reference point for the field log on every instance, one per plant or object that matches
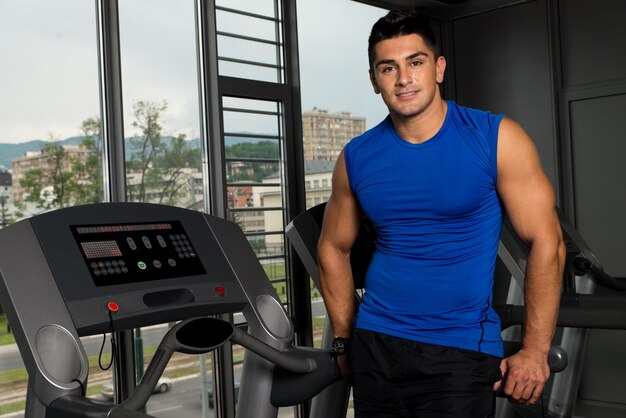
(279, 76)
(257, 209)
(299, 294)
(253, 89)
(251, 184)
(214, 175)
(253, 111)
(249, 135)
(112, 131)
(247, 62)
(251, 160)
(244, 13)
(248, 38)
(111, 108)
(263, 234)
(271, 257)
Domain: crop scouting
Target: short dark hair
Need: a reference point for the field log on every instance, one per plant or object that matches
(400, 22)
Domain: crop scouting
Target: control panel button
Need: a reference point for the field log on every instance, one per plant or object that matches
(141, 265)
(146, 242)
(171, 262)
(161, 241)
(131, 243)
(220, 291)
(157, 264)
(113, 306)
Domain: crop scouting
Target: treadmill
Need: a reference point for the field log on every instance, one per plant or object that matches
(112, 267)
(580, 310)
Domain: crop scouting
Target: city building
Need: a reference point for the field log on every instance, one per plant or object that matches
(324, 134)
(317, 179)
(41, 160)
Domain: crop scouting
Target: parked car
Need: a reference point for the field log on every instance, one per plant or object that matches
(210, 393)
(162, 386)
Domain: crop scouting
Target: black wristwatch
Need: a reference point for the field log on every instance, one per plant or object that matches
(340, 345)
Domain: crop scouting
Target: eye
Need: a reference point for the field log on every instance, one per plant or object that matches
(387, 69)
(416, 63)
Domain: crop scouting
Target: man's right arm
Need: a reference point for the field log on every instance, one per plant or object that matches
(339, 230)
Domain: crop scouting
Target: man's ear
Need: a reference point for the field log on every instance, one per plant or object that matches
(373, 81)
(440, 66)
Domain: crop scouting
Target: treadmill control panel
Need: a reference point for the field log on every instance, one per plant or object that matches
(126, 265)
(135, 252)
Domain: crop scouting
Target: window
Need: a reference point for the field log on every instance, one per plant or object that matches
(324, 30)
(249, 36)
(160, 94)
(50, 130)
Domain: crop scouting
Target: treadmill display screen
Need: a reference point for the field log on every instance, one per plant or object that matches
(126, 253)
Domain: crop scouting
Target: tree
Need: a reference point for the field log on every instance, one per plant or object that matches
(89, 171)
(176, 157)
(146, 147)
(158, 166)
(5, 217)
(251, 170)
(51, 184)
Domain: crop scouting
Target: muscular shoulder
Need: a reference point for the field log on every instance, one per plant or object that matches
(515, 148)
(480, 120)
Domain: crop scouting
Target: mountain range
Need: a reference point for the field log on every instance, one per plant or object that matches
(9, 152)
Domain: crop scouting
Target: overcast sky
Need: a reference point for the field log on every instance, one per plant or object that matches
(48, 75)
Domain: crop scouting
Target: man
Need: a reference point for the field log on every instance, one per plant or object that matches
(433, 179)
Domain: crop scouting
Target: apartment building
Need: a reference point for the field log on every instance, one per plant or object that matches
(45, 162)
(324, 133)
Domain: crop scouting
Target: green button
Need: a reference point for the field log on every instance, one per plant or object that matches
(141, 265)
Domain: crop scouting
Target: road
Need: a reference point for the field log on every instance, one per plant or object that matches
(10, 358)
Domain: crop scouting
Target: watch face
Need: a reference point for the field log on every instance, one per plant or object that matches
(339, 345)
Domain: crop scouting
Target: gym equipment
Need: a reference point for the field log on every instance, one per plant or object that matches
(110, 267)
(580, 309)
(303, 233)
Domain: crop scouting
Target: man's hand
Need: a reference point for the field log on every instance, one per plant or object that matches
(526, 375)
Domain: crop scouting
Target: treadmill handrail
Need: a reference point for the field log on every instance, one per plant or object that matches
(74, 406)
(584, 266)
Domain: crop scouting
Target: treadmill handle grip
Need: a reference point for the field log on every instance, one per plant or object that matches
(74, 406)
(283, 360)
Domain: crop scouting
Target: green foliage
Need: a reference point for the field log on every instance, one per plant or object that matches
(253, 171)
(6, 217)
(51, 185)
(159, 167)
(262, 149)
(90, 170)
(63, 180)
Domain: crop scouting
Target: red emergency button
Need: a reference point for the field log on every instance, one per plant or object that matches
(113, 306)
(220, 291)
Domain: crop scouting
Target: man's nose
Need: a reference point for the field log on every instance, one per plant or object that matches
(404, 76)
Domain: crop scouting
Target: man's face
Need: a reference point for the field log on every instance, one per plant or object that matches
(406, 74)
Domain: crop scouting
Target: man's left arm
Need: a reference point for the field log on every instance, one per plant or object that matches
(529, 202)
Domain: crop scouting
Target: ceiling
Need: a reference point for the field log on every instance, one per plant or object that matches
(445, 8)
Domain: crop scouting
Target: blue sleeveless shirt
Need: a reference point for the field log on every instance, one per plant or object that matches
(438, 220)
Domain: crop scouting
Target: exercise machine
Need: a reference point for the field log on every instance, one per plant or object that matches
(303, 233)
(111, 267)
(580, 309)
(592, 302)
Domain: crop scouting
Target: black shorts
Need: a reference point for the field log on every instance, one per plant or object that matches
(394, 377)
